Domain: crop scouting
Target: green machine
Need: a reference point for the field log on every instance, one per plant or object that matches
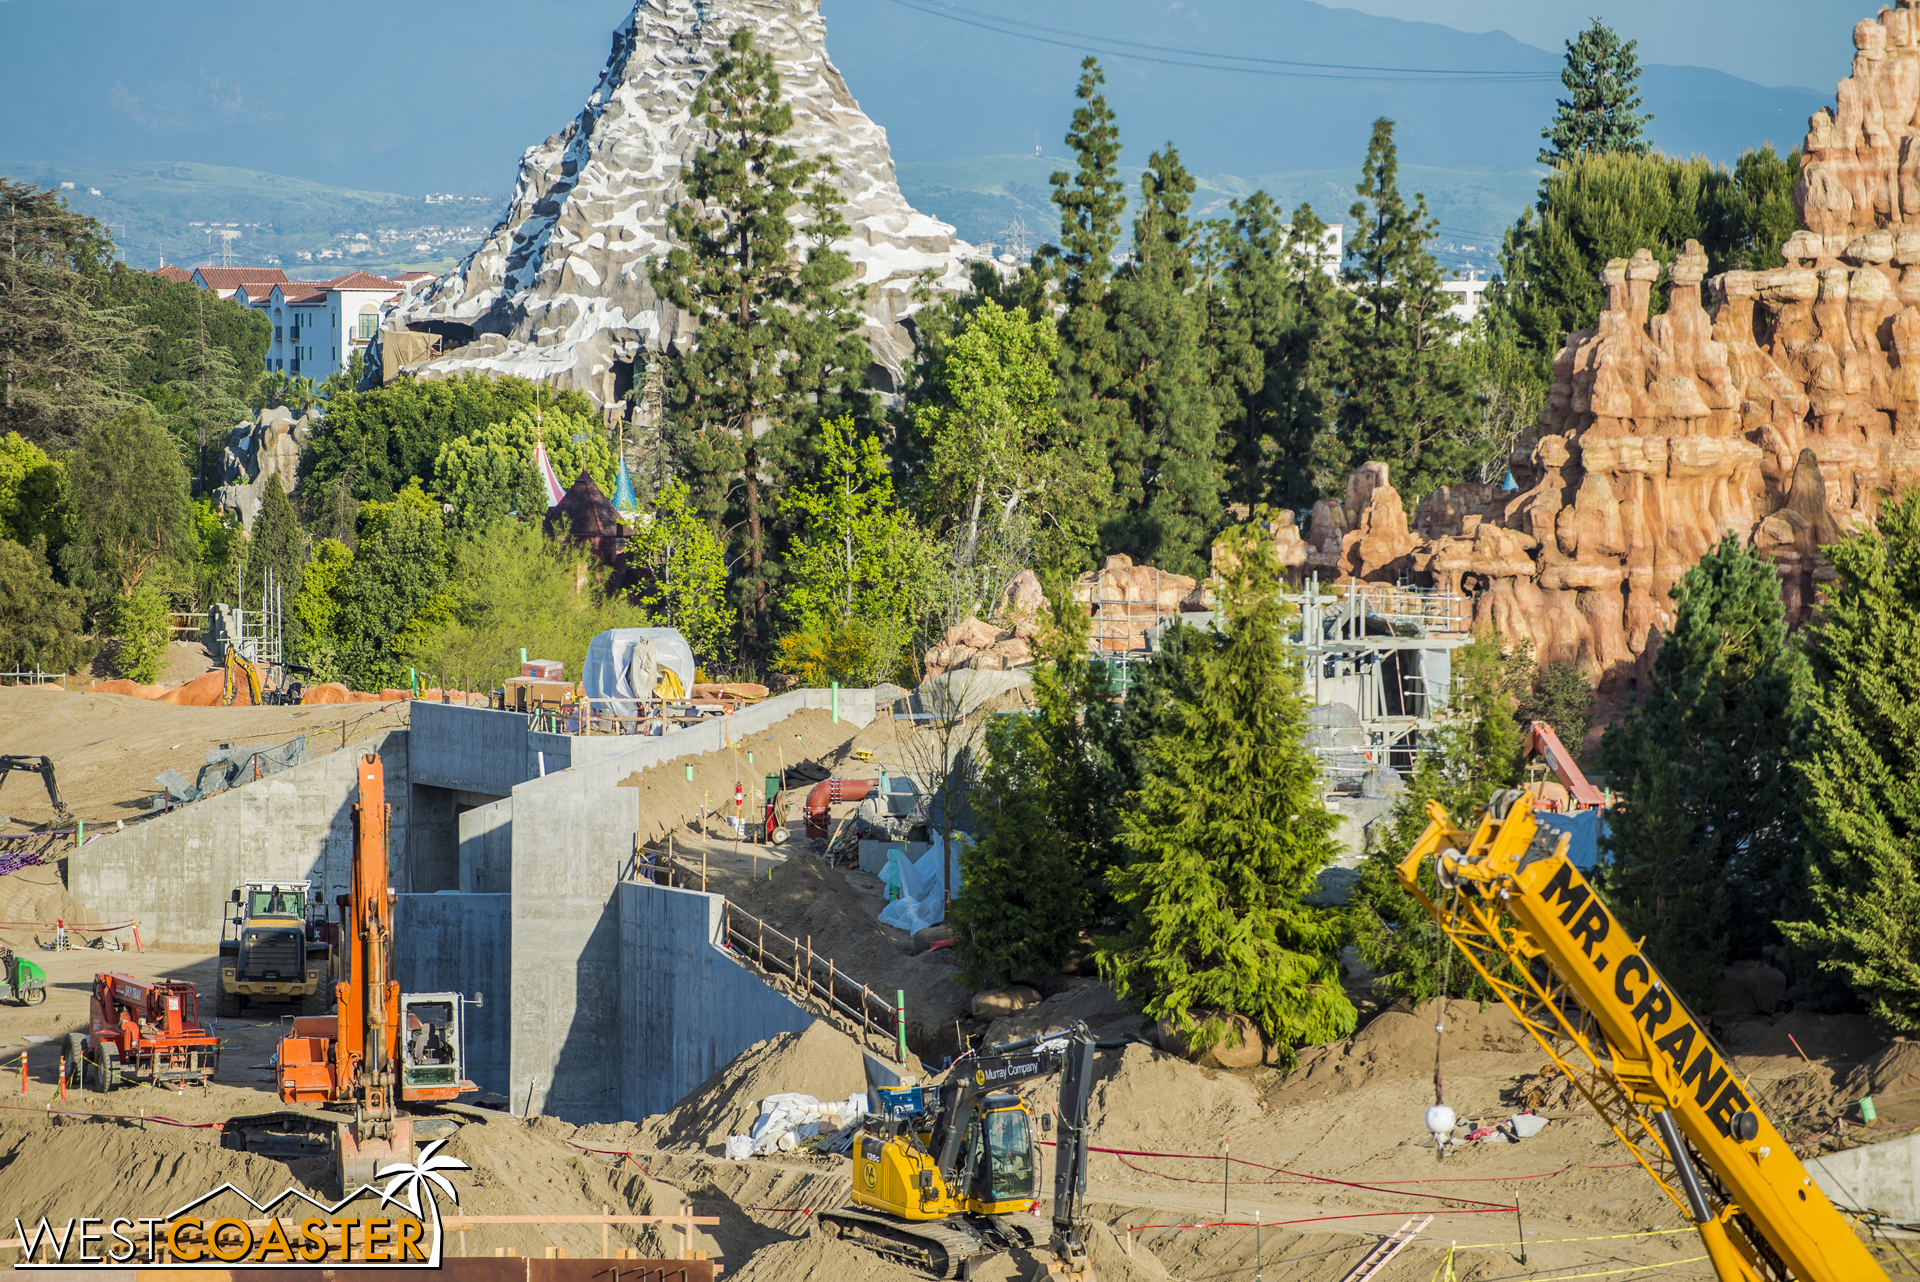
(26, 982)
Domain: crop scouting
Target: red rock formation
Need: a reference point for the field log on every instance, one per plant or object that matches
(1784, 414)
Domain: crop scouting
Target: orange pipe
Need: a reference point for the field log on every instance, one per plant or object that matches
(826, 793)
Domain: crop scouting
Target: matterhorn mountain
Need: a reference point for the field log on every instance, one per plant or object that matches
(560, 290)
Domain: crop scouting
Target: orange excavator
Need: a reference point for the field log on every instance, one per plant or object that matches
(381, 1048)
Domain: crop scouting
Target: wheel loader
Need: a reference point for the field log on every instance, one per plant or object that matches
(271, 951)
(943, 1189)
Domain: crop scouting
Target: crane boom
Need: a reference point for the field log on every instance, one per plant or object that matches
(1530, 924)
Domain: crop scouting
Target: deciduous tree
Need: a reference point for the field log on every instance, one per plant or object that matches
(683, 574)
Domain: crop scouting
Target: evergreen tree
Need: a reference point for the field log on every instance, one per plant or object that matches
(62, 347)
(1273, 340)
(1562, 696)
(1704, 840)
(130, 506)
(1091, 369)
(393, 590)
(1407, 402)
(1227, 835)
(778, 347)
(1475, 753)
(1036, 875)
(1603, 114)
(39, 619)
(1860, 768)
(1158, 322)
(279, 544)
(140, 624)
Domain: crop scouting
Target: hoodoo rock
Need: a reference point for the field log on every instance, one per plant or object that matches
(561, 290)
(1783, 407)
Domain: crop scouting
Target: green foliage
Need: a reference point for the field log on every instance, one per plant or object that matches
(1561, 696)
(315, 608)
(1706, 849)
(513, 587)
(294, 391)
(1754, 214)
(1228, 834)
(1509, 389)
(219, 549)
(1001, 484)
(208, 408)
(279, 544)
(394, 592)
(1274, 325)
(682, 574)
(33, 496)
(1407, 402)
(491, 472)
(779, 348)
(1603, 114)
(63, 346)
(1474, 754)
(853, 652)
(39, 619)
(855, 555)
(129, 495)
(1860, 768)
(374, 442)
(140, 622)
(177, 316)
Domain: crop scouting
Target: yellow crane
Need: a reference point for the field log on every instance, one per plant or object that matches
(1513, 903)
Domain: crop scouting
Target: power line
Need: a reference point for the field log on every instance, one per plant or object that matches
(1260, 66)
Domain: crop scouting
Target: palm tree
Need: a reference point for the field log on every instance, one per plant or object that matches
(409, 1179)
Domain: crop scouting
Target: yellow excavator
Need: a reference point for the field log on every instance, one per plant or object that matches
(946, 1187)
(1513, 903)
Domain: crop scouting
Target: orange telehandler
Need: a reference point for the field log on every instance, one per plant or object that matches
(380, 1048)
(1531, 925)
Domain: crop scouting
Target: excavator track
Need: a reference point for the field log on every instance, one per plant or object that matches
(937, 1248)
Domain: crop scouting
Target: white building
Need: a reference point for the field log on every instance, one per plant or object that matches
(1469, 294)
(318, 325)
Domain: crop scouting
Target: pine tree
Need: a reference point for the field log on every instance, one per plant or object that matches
(1036, 877)
(1407, 402)
(1860, 768)
(1603, 113)
(1159, 321)
(1273, 335)
(278, 543)
(778, 346)
(1090, 366)
(1704, 841)
(130, 507)
(1227, 835)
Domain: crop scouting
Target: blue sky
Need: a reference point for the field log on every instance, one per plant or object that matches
(422, 95)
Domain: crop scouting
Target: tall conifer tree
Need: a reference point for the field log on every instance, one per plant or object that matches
(277, 543)
(1602, 113)
(778, 345)
(1407, 402)
(1228, 834)
(1860, 765)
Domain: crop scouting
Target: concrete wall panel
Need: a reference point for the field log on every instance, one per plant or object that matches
(458, 943)
(469, 749)
(486, 848)
(686, 1007)
(173, 873)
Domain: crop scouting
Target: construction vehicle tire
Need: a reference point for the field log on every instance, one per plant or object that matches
(76, 1058)
(317, 1002)
(225, 1004)
(107, 1069)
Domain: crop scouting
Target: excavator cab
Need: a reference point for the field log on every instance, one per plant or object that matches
(1003, 1158)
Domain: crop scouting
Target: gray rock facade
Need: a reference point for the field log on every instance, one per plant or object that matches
(560, 290)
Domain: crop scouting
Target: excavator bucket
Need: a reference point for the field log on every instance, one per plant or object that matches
(363, 1157)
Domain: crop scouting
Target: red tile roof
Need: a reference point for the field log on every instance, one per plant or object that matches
(364, 280)
(234, 277)
(171, 272)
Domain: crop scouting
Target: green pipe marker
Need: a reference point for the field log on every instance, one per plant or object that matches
(836, 711)
(900, 1010)
(1866, 1109)
(413, 683)
(80, 839)
(689, 773)
(523, 656)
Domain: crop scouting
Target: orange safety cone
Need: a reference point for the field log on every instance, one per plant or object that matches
(23, 1073)
(63, 1078)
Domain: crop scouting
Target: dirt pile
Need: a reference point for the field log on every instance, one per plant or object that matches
(1400, 1041)
(36, 895)
(822, 1062)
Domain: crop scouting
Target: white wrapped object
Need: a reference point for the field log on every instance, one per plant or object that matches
(617, 657)
(1528, 1125)
(739, 1147)
(923, 889)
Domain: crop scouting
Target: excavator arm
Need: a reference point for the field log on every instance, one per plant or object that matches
(1531, 925)
(42, 766)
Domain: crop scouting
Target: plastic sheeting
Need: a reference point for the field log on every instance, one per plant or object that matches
(1583, 826)
(790, 1119)
(624, 665)
(923, 892)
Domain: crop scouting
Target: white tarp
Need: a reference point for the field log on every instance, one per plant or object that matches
(923, 894)
(624, 665)
(788, 1119)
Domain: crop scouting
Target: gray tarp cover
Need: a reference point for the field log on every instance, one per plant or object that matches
(609, 672)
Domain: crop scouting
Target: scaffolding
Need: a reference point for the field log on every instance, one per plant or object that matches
(259, 635)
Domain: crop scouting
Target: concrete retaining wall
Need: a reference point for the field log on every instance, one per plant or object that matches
(453, 943)
(173, 873)
(686, 1007)
(573, 834)
(1881, 1177)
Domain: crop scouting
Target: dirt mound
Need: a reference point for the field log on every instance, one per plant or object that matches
(36, 894)
(1399, 1042)
(1091, 1000)
(813, 1256)
(1144, 1098)
(1894, 1071)
(822, 1062)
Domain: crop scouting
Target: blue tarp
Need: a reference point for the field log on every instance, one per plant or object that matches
(1583, 826)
